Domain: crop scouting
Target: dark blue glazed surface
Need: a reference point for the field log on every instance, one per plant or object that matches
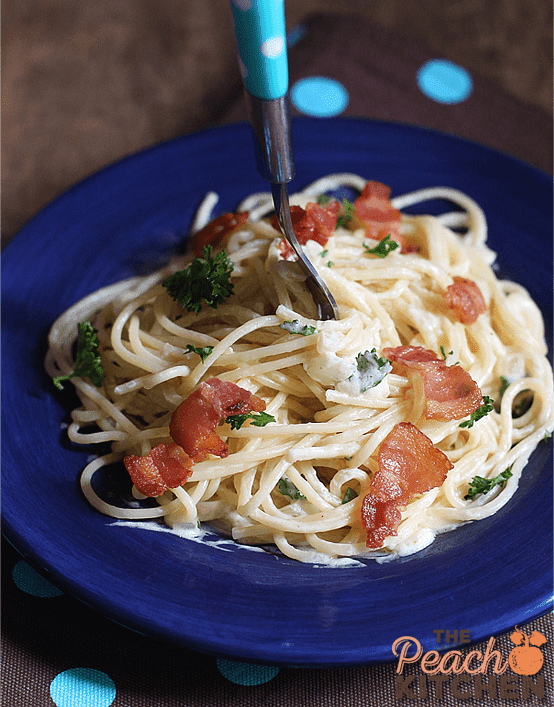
(127, 219)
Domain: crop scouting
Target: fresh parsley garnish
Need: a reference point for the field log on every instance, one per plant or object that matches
(295, 327)
(383, 248)
(344, 219)
(88, 363)
(260, 419)
(202, 351)
(287, 488)
(324, 252)
(367, 359)
(323, 199)
(206, 278)
(480, 485)
(504, 385)
(349, 495)
(444, 354)
(330, 263)
(370, 369)
(485, 408)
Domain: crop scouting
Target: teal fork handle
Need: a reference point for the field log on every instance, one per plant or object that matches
(262, 46)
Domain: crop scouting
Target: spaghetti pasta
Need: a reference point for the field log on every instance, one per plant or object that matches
(299, 482)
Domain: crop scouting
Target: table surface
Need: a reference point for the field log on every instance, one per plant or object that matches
(59, 652)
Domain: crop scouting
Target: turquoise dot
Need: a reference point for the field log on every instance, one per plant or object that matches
(319, 96)
(82, 687)
(31, 582)
(444, 82)
(246, 673)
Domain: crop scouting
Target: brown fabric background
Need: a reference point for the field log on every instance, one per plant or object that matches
(87, 83)
(377, 67)
(44, 636)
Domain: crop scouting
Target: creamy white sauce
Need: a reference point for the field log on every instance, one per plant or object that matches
(191, 531)
(369, 372)
(296, 327)
(328, 368)
(319, 559)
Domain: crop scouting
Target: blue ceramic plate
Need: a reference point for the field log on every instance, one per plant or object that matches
(485, 577)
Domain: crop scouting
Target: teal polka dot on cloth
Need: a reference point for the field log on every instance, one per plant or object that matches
(319, 96)
(444, 82)
(82, 687)
(246, 673)
(31, 582)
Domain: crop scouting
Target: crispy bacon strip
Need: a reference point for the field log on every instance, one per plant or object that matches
(450, 392)
(315, 223)
(193, 423)
(215, 231)
(167, 466)
(409, 464)
(374, 213)
(465, 298)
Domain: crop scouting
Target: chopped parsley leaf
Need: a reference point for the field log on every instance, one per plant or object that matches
(287, 488)
(444, 354)
(88, 363)
(480, 485)
(324, 252)
(370, 369)
(504, 385)
(485, 408)
(383, 248)
(260, 419)
(349, 495)
(323, 199)
(330, 263)
(295, 327)
(206, 278)
(344, 219)
(203, 351)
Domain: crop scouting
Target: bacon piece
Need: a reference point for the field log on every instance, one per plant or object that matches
(465, 298)
(450, 392)
(375, 214)
(320, 220)
(409, 464)
(313, 223)
(166, 466)
(215, 231)
(194, 421)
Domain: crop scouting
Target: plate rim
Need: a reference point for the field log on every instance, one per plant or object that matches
(11, 534)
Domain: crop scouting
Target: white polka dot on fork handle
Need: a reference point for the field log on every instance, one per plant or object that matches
(273, 47)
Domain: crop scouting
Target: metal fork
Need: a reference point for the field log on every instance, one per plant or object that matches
(261, 43)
